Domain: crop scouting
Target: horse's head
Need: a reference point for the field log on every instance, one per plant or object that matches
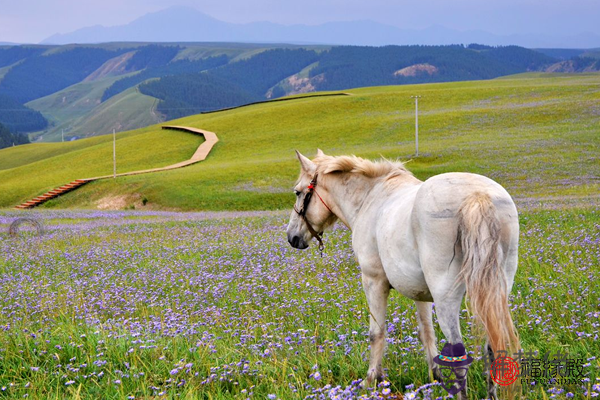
(311, 213)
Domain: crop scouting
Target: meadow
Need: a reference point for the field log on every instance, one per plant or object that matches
(141, 305)
(536, 134)
(149, 303)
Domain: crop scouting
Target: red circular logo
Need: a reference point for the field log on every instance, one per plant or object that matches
(504, 371)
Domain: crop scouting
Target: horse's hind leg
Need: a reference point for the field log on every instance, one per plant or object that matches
(427, 335)
(448, 302)
(377, 290)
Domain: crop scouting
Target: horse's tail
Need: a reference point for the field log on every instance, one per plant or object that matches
(483, 271)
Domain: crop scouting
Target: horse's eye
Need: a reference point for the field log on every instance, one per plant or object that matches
(297, 193)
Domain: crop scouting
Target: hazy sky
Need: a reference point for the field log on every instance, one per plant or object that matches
(34, 20)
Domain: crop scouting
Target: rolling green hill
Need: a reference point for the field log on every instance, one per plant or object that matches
(79, 112)
(41, 75)
(85, 93)
(546, 125)
(51, 164)
(64, 108)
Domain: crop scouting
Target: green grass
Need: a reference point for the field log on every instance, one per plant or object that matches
(57, 163)
(536, 134)
(111, 305)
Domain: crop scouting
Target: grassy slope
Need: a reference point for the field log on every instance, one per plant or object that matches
(53, 164)
(70, 104)
(127, 110)
(545, 125)
(85, 116)
(4, 70)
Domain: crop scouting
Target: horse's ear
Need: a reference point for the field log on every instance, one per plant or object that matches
(306, 165)
(320, 153)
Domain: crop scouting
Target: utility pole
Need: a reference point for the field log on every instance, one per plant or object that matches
(114, 154)
(63, 135)
(416, 124)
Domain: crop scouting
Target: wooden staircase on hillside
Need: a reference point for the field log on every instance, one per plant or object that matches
(53, 193)
(210, 139)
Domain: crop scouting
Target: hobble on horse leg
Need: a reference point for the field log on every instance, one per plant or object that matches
(447, 308)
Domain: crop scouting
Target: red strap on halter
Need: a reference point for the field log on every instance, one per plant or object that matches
(319, 196)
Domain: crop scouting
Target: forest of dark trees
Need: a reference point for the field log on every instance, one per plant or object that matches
(259, 73)
(581, 63)
(231, 85)
(7, 138)
(42, 75)
(152, 56)
(19, 118)
(353, 66)
(520, 58)
(11, 55)
(174, 68)
(342, 67)
(189, 94)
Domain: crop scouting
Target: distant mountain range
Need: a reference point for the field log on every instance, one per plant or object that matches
(185, 24)
(83, 90)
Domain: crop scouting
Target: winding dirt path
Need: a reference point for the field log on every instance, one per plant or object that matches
(210, 139)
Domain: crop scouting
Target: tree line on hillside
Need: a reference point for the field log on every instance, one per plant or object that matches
(262, 71)
(227, 86)
(583, 63)
(190, 94)
(520, 58)
(42, 75)
(341, 67)
(7, 138)
(175, 68)
(186, 86)
(39, 71)
(354, 66)
(152, 56)
(14, 54)
(19, 118)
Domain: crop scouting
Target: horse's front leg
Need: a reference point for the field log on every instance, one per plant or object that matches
(377, 289)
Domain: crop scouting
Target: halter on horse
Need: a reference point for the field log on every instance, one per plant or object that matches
(312, 188)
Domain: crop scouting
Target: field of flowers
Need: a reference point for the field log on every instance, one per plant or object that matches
(140, 305)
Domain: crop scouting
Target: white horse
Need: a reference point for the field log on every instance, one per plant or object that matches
(432, 241)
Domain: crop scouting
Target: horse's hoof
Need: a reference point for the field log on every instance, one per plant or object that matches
(367, 383)
(436, 374)
(373, 377)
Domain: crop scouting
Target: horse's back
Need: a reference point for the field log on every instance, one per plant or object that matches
(442, 195)
(435, 218)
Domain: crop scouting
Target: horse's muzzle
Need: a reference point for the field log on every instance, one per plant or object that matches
(297, 242)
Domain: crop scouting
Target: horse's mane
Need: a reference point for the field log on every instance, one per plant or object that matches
(372, 169)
